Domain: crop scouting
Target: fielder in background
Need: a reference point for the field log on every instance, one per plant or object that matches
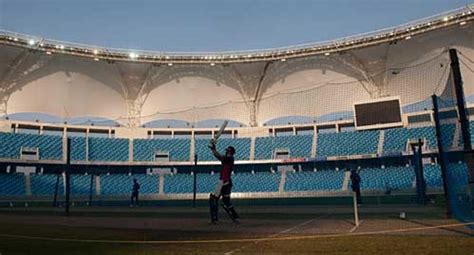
(135, 190)
(355, 181)
(224, 186)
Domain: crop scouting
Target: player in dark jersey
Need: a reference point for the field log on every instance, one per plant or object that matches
(135, 190)
(355, 181)
(224, 186)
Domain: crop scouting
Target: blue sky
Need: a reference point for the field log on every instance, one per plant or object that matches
(209, 25)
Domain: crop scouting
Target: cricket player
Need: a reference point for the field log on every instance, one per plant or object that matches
(135, 191)
(224, 186)
(355, 180)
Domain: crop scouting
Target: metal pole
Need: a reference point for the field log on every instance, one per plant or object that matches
(195, 179)
(90, 189)
(460, 100)
(356, 211)
(442, 163)
(55, 199)
(463, 120)
(68, 176)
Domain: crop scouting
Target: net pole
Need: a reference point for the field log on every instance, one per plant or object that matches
(56, 187)
(91, 189)
(68, 177)
(356, 209)
(463, 120)
(442, 163)
(460, 100)
(194, 179)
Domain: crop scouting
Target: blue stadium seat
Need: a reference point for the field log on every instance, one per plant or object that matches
(396, 139)
(432, 175)
(298, 146)
(178, 149)
(256, 182)
(241, 145)
(314, 181)
(108, 149)
(78, 148)
(12, 184)
(50, 146)
(121, 184)
(392, 177)
(347, 143)
(45, 184)
(183, 183)
(80, 184)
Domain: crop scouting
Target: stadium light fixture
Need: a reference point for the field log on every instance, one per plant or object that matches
(31, 42)
(96, 52)
(61, 47)
(96, 59)
(445, 18)
(48, 53)
(212, 64)
(170, 64)
(327, 54)
(463, 23)
(133, 55)
(283, 59)
(408, 37)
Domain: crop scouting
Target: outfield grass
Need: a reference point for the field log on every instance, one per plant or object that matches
(386, 244)
(307, 226)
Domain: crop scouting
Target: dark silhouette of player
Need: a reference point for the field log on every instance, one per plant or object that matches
(224, 187)
(355, 183)
(135, 191)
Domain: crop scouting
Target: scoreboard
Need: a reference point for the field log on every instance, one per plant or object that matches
(379, 113)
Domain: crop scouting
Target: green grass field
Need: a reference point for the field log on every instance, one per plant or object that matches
(264, 230)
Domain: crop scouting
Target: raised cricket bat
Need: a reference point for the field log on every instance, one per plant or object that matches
(218, 133)
(221, 130)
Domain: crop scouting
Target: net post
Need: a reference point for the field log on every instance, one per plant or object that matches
(56, 187)
(460, 100)
(194, 179)
(91, 189)
(68, 177)
(356, 209)
(442, 163)
(468, 154)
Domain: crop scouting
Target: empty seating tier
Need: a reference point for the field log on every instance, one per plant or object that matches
(108, 149)
(396, 139)
(145, 149)
(298, 146)
(323, 180)
(50, 147)
(45, 184)
(78, 148)
(347, 143)
(12, 184)
(390, 177)
(121, 184)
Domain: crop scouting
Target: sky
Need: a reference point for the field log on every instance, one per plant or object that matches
(209, 25)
